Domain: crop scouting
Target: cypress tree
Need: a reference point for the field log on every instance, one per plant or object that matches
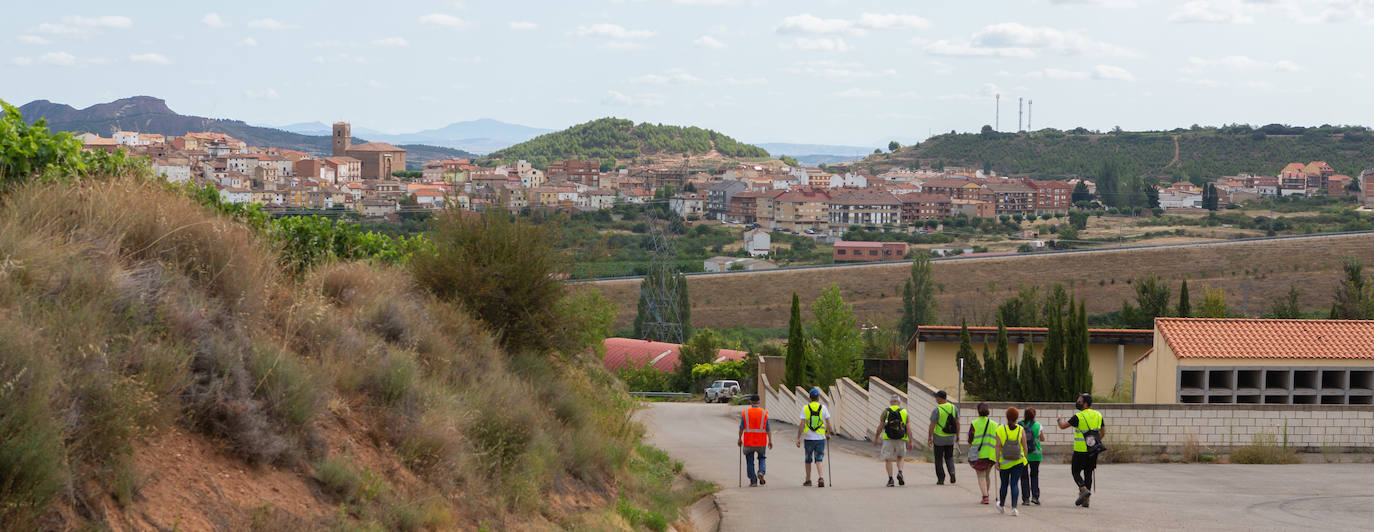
(1006, 382)
(987, 378)
(1185, 307)
(1028, 376)
(795, 360)
(1052, 359)
(973, 370)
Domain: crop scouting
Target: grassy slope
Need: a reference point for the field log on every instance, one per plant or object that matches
(1205, 153)
(148, 347)
(974, 289)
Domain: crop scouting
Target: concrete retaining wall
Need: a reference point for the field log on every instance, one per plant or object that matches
(1150, 427)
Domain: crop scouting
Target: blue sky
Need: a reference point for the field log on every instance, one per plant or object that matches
(841, 72)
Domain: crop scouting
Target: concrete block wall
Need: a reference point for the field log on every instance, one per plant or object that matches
(1150, 427)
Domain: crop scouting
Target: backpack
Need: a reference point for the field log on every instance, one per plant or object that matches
(813, 418)
(893, 427)
(1031, 443)
(1011, 449)
(951, 421)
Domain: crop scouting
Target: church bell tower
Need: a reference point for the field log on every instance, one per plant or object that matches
(343, 139)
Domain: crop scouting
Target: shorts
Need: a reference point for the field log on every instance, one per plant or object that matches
(893, 450)
(814, 450)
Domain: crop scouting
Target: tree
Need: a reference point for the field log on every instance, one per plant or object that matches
(1078, 220)
(1080, 192)
(1028, 376)
(1152, 300)
(701, 349)
(789, 161)
(1052, 371)
(1108, 183)
(1007, 387)
(836, 337)
(1354, 298)
(973, 370)
(1354, 186)
(893, 146)
(1185, 307)
(1023, 309)
(1152, 196)
(918, 297)
(1209, 197)
(1080, 375)
(798, 365)
(1287, 308)
(1214, 304)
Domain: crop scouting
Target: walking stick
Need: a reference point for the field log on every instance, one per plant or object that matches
(829, 464)
(740, 471)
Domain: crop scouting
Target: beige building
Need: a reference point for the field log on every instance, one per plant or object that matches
(1258, 361)
(932, 353)
(378, 159)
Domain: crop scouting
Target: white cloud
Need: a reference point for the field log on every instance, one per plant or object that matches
(248, 41)
(1112, 73)
(372, 83)
(1013, 39)
(265, 94)
(33, 39)
(391, 42)
(892, 21)
(671, 76)
(821, 44)
(62, 59)
(522, 25)
(808, 23)
(947, 48)
(859, 94)
(1239, 63)
(104, 21)
(443, 21)
(213, 20)
(621, 99)
(21, 61)
(744, 81)
(1057, 74)
(1228, 12)
(271, 24)
(150, 58)
(1247, 11)
(621, 46)
(340, 58)
(838, 70)
(707, 41)
(611, 31)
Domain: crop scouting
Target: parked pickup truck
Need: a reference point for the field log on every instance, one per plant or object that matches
(722, 391)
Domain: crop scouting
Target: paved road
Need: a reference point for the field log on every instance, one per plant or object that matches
(1139, 496)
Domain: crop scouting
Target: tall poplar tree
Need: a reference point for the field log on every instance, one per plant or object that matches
(798, 367)
(1185, 306)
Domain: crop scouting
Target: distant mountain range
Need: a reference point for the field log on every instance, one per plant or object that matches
(478, 136)
(146, 114)
(816, 154)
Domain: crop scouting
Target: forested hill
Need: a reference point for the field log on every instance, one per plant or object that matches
(622, 140)
(1202, 153)
(146, 114)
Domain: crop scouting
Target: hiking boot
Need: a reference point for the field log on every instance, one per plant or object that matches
(820, 483)
(940, 482)
(951, 478)
(890, 483)
(1035, 502)
(1087, 494)
(1080, 500)
(985, 500)
(807, 483)
(1000, 509)
(1025, 502)
(753, 484)
(762, 482)
(900, 481)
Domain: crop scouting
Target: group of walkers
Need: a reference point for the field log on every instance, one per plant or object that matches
(1013, 449)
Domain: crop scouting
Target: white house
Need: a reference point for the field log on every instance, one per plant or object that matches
(1178, 199)
(601, 198)
(127, 138)
(687, 204)
(757, 242)
(849, 179)
(174, 172)
(236, 195)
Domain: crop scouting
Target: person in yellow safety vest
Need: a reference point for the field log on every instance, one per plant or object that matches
(814, 418)
(755, 437)
(1087, 425)
(981, 452)
(894, 433)
(1011, 460)
(944, 416)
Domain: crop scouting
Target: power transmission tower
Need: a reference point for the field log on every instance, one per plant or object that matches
(660, 291)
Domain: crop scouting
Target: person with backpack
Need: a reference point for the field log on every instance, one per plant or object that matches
(982, 448)
(755, 438)
(1030, 481)
(1011, 460)
(894, 430)
(943, 434)
(1088, 431)
(814, 417)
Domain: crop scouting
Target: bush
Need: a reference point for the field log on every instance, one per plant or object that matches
(1264, 449)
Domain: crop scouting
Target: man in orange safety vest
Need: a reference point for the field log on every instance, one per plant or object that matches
(755, 438)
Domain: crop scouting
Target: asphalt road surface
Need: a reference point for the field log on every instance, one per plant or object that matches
(1129, 496)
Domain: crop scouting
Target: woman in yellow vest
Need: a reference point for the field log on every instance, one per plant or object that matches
(981, 451)
(1011, 460)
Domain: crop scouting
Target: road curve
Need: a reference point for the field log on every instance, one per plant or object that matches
(1134, 496)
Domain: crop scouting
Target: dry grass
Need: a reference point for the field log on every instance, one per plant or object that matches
(1264, 270)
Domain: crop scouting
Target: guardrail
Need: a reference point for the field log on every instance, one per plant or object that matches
(662, 395)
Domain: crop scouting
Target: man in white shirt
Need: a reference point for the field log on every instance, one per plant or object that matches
(811, 430)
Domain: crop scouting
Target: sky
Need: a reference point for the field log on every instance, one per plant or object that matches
(853, 72)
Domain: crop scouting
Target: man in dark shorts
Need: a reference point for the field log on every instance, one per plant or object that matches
(1084, 462)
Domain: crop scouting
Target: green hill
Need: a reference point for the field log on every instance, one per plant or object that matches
(1202, 153)
(623, 140)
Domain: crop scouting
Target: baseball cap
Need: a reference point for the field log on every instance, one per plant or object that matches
(941, 394)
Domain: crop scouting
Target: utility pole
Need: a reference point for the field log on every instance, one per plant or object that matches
(1030, 113)
(997, 122)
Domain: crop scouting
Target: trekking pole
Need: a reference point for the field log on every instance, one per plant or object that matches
(740, 471)
(830, 464)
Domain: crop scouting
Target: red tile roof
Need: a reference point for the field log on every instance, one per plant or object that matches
(1260, 338)
(662, 355)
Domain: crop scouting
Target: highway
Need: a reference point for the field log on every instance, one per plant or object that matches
(991, 256)
(1129, 496)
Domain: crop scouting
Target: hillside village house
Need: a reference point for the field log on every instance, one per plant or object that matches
(849, 251)
(920, 206)
(758, 242)
(972, 208)
(687, 204)
(718, 197)
(850, 206)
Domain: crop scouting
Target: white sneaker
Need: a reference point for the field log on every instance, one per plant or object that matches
(1014, 513)
(1000, 509)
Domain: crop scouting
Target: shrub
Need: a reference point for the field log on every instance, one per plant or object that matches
(1264, 449)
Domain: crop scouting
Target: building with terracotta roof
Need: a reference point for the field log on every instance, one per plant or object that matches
(1258, 361)
(379, 159)
(862, 206)
(855, 251)
(663, 356)
(932, 353)
(919, 206)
